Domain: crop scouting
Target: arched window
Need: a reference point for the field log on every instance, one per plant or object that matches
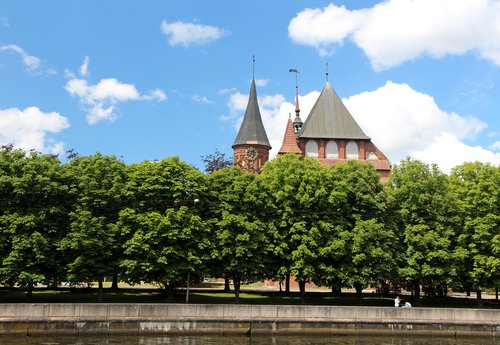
(332, 150)
(312, 148)
(372, 156)
(351, 150)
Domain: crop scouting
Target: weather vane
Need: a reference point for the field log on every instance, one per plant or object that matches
(296, 71)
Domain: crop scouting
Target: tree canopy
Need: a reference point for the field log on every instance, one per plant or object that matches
(166, 223)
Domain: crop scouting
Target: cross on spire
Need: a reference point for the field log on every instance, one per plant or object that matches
(253, 72)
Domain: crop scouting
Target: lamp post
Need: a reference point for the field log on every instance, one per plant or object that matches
(189, 269)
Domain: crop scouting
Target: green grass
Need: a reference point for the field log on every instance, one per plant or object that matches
(217, 296)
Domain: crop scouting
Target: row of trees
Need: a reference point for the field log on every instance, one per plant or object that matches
(95, 217)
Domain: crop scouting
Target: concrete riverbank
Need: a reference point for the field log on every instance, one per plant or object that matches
(26, 319)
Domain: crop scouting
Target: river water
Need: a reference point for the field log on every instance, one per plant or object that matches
(241, 340)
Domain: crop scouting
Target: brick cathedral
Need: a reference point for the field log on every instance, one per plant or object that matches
(330, 134)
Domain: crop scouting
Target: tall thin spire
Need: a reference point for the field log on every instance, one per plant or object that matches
(297, 122)
(296, 71)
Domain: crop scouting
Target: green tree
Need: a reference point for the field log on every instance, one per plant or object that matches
(166, 237)
(360, 252)
(164, 248)
(33, 217)
(216, 161)
(476, 187)
(91, 246)
(425, 215)
(296, 200)
(239, 248)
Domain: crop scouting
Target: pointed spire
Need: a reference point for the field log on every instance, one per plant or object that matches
(252, 129)
(289, 139)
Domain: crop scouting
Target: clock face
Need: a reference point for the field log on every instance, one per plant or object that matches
(251, 154)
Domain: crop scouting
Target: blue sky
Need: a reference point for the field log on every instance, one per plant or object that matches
(146, 80)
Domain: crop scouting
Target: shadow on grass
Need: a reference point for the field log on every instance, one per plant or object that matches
(217, 296)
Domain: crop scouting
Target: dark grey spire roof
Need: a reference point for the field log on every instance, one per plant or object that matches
(252, 129)
(329, 118)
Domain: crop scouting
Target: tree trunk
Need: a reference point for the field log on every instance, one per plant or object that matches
(441, 291)
(336, 291)
(114, 284)
(100, 289)
(359, 291)
(287, 284)
(416, 289)
(227, 287)
(302, 289)
(479, 298)
(496, 293)
(170, 292)
(29, 292)
(336, 288)
(384, 288)
(468, 289)
(237, 283)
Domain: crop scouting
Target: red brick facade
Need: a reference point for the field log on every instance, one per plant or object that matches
(250, 157)
(381, 163)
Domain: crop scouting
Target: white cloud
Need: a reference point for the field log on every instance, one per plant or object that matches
(495, 146)
(447, 151)
(155, 95)
(324, 28)
(31, 62)
(404, 122)
(237, 102)
(84, 68)
(188, 34)
(201, 99)
(27, 129)
(261, 82)
(227, 91)
(395, 31)
(99, 100)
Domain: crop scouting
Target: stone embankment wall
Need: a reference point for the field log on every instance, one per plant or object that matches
(29, 319)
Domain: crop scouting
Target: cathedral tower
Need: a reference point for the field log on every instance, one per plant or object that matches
(251, 147)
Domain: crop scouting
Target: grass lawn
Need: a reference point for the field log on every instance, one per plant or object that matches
(213, 294)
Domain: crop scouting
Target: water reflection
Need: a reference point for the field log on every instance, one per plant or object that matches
(241, 340)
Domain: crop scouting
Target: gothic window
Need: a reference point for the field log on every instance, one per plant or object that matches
(332, 150)
(312, 148)
(372, 156)
(351, 150)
